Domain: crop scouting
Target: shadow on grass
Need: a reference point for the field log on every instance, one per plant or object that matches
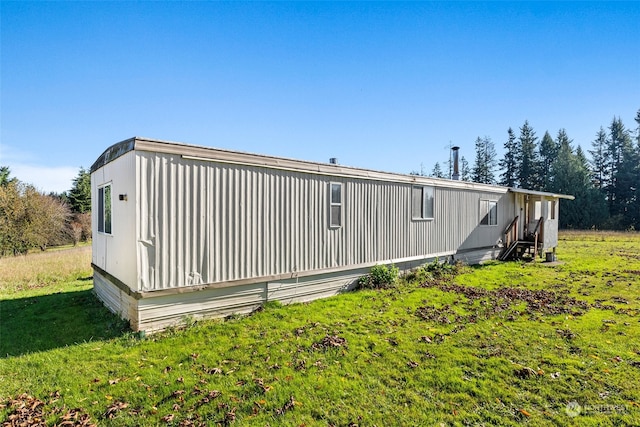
(56, 320)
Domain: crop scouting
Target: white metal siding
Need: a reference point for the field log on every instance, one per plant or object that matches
(115, 253)
(202, 222)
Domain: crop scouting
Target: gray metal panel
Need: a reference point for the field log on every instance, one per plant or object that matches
(203, 222)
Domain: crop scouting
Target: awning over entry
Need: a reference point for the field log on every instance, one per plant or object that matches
(541, 193)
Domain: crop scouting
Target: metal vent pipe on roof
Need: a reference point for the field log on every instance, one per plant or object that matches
(456, 172)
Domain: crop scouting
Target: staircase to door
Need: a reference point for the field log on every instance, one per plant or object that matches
(518, 247)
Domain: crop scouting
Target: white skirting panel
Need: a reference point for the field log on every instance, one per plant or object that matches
(115, 299)
(477, 256)
(153, 313)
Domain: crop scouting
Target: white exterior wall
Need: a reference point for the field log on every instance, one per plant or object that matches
(115, 253)
(203, 222)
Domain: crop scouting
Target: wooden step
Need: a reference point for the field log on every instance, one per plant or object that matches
(515, 249)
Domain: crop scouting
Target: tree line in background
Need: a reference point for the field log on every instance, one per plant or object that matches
(606, 186)
(30, 219)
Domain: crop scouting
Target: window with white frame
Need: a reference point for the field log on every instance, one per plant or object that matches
(104, 209)
(335, 205)
(488, 212)
(421, 202)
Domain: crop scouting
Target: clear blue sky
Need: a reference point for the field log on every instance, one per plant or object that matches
(382, 86)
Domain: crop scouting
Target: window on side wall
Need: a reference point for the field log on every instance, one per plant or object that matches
(421, 202)
(104, 209)
(335, 205)
(488, 212)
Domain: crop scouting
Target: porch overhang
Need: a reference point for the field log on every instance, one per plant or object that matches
(541, 193)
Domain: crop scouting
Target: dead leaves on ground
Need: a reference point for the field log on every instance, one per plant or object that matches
(113, 409)
(26, 410)
(499, 300)
(329, 341)
(481, 304)
(289, 405)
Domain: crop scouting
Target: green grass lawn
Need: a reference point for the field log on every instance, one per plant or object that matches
(499, 344)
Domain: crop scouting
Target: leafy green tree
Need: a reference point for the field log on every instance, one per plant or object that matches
(11, 217)
(485, 162)
(547, 152)
(527, 158)
(80, 194)
(509, 163)
(29, 219)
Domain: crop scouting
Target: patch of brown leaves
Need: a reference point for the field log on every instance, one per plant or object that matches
(26, 410)
(329, 341)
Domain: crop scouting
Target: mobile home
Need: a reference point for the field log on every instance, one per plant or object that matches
(182, 230)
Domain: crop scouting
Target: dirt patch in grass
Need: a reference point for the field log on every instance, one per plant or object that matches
(499, 300)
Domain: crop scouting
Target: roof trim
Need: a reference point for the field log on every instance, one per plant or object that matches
(217, 155)
(541, 193)
(113, 152)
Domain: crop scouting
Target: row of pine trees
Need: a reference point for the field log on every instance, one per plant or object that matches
(605, 183)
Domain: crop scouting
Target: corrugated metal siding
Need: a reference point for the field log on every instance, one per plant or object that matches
(203, 222)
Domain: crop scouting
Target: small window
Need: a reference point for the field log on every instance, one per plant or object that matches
(335, 208)
(422, 202)
(552, 209)
(488, 212)
(104, 209)
(537, 209)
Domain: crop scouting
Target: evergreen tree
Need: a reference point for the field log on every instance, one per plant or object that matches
(80, 194)
(421, 172)
(637, 119)
(527, 160)
(437, 171)
(5, 176)
(571, 175)
(627, 180)
(485, 162)
(618, 145)
(599, 160)
(509, 163)
(546, 154)
(465, 173)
